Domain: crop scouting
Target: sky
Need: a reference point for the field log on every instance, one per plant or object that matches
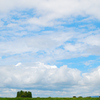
(50, 47)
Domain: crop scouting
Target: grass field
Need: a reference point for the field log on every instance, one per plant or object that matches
(80, 98)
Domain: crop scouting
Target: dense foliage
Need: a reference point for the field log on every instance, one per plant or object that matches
(24, 94)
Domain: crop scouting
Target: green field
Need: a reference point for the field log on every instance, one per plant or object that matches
(80, 98)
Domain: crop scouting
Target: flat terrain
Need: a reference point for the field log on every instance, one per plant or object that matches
(86, 98)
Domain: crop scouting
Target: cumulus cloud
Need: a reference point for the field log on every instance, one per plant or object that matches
(92, 77)
(41, 77)
(38, 74)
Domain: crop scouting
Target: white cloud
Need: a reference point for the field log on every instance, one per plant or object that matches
(41, 77)
(38, 75)
(78, 47)
(92, 77)
(18, 64)
(53, 9)
(50, 46)
(93, 40)
(21, 40)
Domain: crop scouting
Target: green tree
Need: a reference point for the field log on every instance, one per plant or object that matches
(24, 94)
(18, 94)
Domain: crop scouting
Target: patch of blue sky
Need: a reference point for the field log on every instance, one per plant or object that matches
(5, 22)
(80, 62)
(9, 34)
(96, 23)
(41, 52)
(5, 59)
(27, 13)
(49, 29)
(81, 23)
(42, 31)
(61, 47)
(16, 16)
(72, 41)
(8, 55)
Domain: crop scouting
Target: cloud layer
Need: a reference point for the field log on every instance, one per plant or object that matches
(50, 47)
(34, 35)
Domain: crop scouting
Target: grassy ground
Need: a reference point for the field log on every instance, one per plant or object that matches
(86, 98)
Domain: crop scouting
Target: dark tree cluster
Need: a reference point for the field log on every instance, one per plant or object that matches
(24, 94)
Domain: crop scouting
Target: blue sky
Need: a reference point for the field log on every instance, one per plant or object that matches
(50, 47)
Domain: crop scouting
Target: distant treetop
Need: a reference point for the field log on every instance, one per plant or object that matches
(24, 94)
